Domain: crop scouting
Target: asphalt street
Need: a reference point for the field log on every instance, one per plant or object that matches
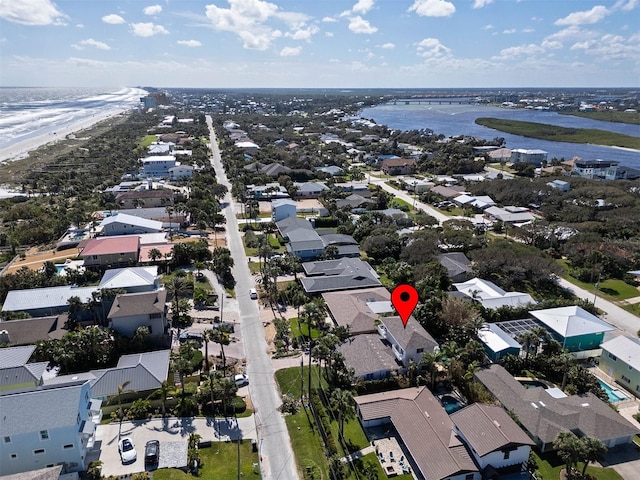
(276, 455)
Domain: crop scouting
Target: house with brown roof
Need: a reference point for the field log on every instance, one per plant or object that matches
(358, 309)
(110, 251)
(133, 310)
(428, 439)
(398, 166)
(493, 437)
(545, 413)
(27, 331)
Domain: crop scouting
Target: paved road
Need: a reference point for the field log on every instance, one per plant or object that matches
(616, 316)
(277, 460)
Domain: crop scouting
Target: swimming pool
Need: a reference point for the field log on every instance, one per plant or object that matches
(614, 394)
(533, 383)
(451, 404)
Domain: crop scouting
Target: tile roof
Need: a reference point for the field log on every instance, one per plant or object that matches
(544, 416)
(627, 349)
(131, 304)
(49, 297)
(47, 473)
(571, 321)
(487, 428)
(352, 308)
(111, 246)
(29, 410)
(129, 277)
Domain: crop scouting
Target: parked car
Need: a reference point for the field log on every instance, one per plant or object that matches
(152, 452)
(253, 294)
(127, 450)
(241, 380)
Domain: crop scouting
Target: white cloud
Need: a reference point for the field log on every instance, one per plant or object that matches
(488, 27)
(152, 10)
(303, 33)
(611, 47)
(290, 51)
(388, 46)
(519, 51)
(33, 12)
(586, 17)
(329, 20)
(626, 5)
(572, 32)
(433, 8)
(528, 30)
(189, 43)
(551, 44)
(481, 3)
(79, 25)
(431, 47)
(113, 19)
(328, 34)
(148, 29)
(583, 45)
(91, 43)
(509, 31)
(360, 25)
(363, 6)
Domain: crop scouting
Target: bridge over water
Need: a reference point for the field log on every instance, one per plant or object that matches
(434, 101)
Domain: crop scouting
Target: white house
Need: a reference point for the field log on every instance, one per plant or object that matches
(47, 425)
(493, 437)
(132, 310)
(620, 360)
(157, 166)
(533, 156)
(489, 295)
(123, 224)
(131, 279)
(180, 172)
(407, 343)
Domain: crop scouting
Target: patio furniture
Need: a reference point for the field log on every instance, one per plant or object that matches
(391, 457)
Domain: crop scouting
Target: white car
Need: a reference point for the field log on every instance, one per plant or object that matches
(253, 294)
(127, 450)
(241, 380)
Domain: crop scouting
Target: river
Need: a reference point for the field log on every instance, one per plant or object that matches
(459, 119)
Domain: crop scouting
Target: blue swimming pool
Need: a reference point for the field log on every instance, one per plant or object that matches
(614, 394)
(451, 404)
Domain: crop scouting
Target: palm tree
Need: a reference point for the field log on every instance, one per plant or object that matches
(527, 339)
(593, 451)
(312, 314)
(430, 362)
(207, 336)
(568, 447)
(221, 337)
(177, 287)
(163, 392)
(155, 255)
(342, 403)
(121, 390)
(182, 366)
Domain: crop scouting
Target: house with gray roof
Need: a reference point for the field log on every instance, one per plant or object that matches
(369, 357)
(133, 310)
(458, 266)
(358, 310)
(496, 441)
(544, 415)
(175, 219)
(282, 208)
(340, 274)
(575, 328)
(347, 245)
(509, 214)
(332, 170)
(123, 224)
(309, 189)
(354, 201)
(620, 360)
(48, 425)
(302, 240)
(48, 301)
(432, 446)
(131, 279)
(15, 371)
(408, 343)
(27, 331)
(497, 343)
(266, 192)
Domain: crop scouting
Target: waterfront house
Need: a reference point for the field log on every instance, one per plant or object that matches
(620, 360)
(48, 425)
(533, 156)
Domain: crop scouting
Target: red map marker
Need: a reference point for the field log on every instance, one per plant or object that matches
(404, 298)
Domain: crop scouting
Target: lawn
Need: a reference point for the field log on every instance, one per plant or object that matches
(307, 443)
(549, 466)
(289, 379)
(611, 289)
(220, 461)
(298, 330)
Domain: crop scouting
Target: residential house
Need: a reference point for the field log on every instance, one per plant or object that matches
(543, 415)
(144, 373)
(420, 421)
(310, 189)
(358, 310)
(354, 202)
(266, 192)
(509, 214)
(500, 155)
(157, 166)
(594, 168)
(620, 360)
(160, 148)
(247, 146)
(48, 301)
(28, 331)
(144, 198)
(132, 310)
(533, 156)
(180, 172)
(576, 329)
(489, 295)
(560, 185)
(123, 224)
(331, 170)
(370, 357)
(408, 342)
(340, 274)
(169, 218)
(282, 208)
(458, 266)
(416, 185)
(398, 166)
(48, 425)
(494, 439)
(480, 202)
(448, 191)
(497, 343)
(346, 245)
(131, 279)
(110, 251)
(302, 240)
(16, 373)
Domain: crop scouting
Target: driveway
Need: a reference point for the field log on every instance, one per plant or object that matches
(173, 435)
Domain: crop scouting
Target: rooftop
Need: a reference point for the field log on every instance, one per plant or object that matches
(571, 321)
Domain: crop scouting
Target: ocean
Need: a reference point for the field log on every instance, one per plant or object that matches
(459, 119)
(26, 113)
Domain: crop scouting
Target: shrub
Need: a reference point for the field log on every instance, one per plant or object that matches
(139, 409)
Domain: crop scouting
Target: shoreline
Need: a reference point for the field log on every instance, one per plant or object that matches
(20, 150)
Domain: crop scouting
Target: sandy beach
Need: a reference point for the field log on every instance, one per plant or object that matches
(21, 149)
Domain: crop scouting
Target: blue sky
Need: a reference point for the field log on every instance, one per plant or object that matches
(320, 43)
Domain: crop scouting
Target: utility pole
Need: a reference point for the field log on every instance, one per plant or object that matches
(596, 294)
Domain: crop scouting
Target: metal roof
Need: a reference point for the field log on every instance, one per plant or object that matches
(571, 321)
(129, 277)
(15, 356)
(627, 350)
(49, 297)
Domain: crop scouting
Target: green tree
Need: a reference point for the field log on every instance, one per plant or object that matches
(222, 337)
(593, 450)
(163, 392)
(342, 403)
(570, 449)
